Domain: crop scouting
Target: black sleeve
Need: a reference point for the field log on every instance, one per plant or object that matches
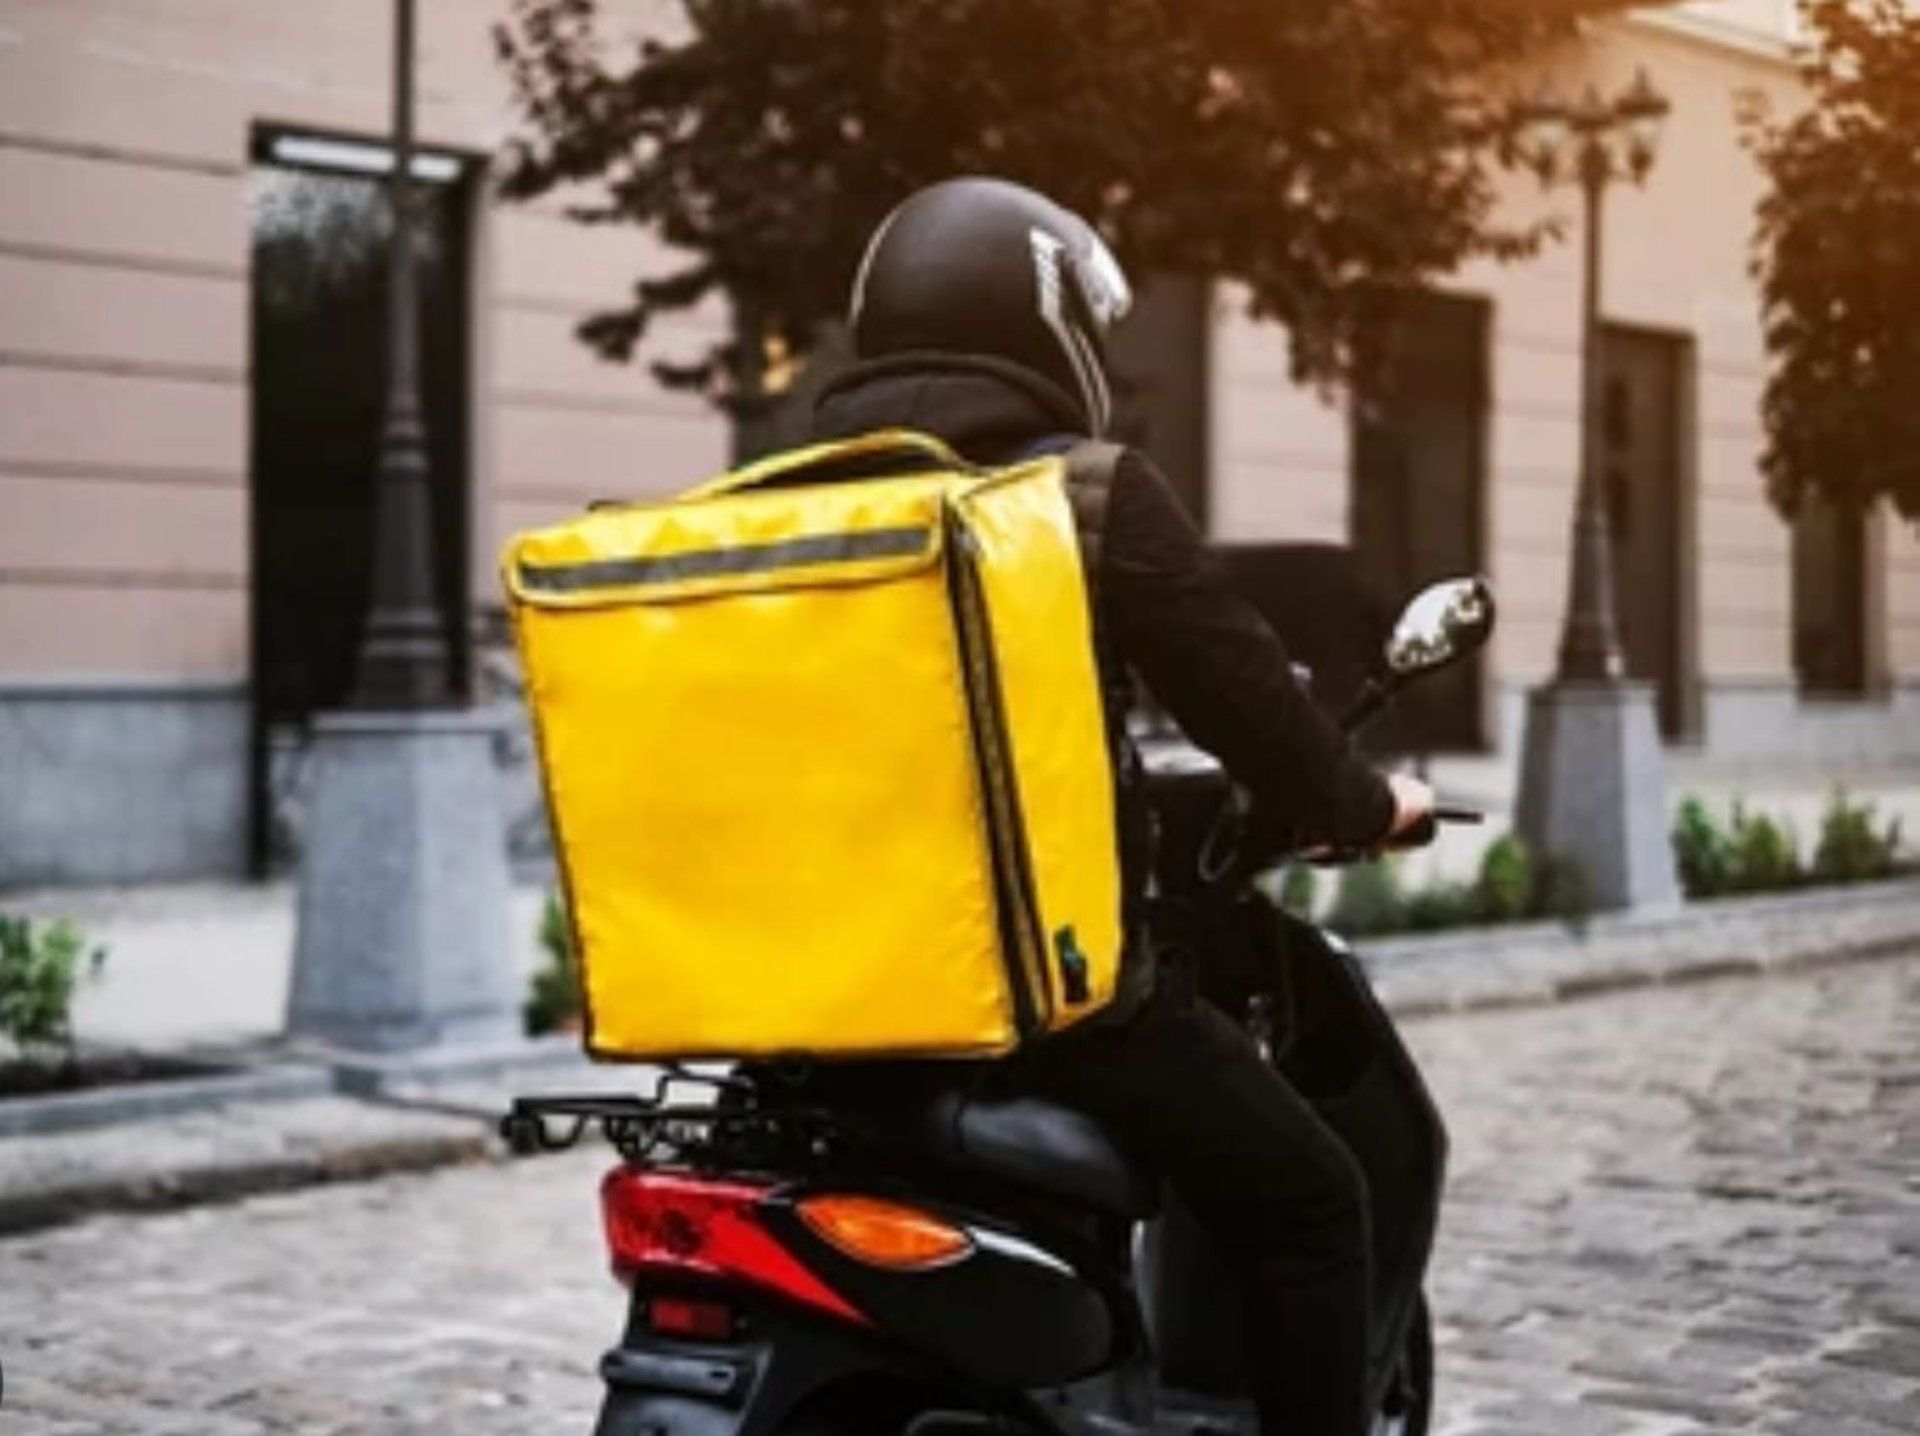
(1221, 671)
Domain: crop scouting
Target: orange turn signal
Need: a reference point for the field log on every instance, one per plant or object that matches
(884, 1233)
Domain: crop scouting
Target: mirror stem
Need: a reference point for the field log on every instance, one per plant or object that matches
(1374, 695)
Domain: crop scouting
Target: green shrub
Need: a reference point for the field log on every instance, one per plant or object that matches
(1561, 891)
(1441, 906)
(41, 969)
(1755, 853)
(1503, 892)
(1764, 855)
(1511, 886)
(1702, 851)
(1752, 853)
(1369, 900)
(1851, 848)
(553, 993)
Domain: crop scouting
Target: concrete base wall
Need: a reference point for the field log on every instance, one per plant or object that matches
(121, 782)
(1768, 722)
(1771, 723)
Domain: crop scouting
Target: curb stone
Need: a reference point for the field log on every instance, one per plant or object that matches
(534, 1062)
(140, 1101)
(320, 1117)
(283, 1072)
(1534, 963)
(224, 1152)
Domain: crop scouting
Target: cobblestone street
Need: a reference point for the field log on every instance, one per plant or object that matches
(1674, 1211)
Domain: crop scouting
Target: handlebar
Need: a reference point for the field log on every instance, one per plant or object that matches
(1419, 835)
(1428, 828)
(1213, 837)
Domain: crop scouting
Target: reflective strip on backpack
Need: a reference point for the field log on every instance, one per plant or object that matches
(725, 562)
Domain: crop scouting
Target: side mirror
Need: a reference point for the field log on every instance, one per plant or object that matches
(1444, 623)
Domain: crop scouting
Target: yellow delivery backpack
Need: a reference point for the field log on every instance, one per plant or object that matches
(826, 758)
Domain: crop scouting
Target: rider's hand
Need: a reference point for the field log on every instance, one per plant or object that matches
(1412, 804)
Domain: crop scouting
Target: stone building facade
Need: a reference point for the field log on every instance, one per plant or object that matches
(189, 227)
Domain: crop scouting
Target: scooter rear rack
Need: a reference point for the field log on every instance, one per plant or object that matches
(731, 1121)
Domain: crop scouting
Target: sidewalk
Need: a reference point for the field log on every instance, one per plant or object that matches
(201, 972)
(200, 964)
(209, 964)
(298, 1124)
(204, 970)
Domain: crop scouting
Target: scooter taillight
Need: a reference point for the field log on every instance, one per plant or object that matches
(671, 1224)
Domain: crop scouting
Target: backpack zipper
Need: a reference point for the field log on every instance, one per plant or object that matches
(1021, 946)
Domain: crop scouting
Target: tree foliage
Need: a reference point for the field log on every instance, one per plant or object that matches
(1317, 152)
(1836, 256)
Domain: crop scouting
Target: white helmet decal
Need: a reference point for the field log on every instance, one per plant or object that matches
(1048, 294)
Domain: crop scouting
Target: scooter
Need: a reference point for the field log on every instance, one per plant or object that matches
(980, 1265)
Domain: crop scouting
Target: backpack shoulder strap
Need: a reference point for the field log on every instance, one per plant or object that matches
(1091, 466)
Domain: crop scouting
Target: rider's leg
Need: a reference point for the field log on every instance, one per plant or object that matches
(1184, 1090)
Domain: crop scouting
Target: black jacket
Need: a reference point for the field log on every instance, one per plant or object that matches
(1161, 605)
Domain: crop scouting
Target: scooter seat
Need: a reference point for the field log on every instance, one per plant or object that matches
(1043, 1147)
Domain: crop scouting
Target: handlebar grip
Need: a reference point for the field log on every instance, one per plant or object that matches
(1427, 828)
(1421, 832)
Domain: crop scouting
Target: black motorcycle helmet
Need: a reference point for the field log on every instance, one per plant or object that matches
(983, 266)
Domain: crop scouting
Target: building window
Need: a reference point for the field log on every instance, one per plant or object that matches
(1830, 601)
(321, 228)
(1417, 477)
(1644, 420)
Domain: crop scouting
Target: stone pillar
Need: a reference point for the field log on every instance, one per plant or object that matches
(1593, 790)
(402, 940)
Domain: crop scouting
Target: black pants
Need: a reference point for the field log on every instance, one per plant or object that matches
(1180, 1088)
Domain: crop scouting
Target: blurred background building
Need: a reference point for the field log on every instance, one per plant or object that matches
(191, 229)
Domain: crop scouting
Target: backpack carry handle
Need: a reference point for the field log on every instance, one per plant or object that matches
(882, 452)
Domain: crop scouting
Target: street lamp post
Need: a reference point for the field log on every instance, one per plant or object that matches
(402, 941)
(1608, 140)
(403, 654)
(1591, 784)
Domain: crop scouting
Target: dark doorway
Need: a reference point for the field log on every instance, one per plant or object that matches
(321, 222)
(1159, 361)
(1642, 394)
(1830, 601)
(1418, 482)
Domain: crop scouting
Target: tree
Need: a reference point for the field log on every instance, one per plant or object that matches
(1838, 264)
(1319, 153)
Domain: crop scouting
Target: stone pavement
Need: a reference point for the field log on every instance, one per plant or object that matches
(1686, 1210)
(1678, 1210)
(232, 1149)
